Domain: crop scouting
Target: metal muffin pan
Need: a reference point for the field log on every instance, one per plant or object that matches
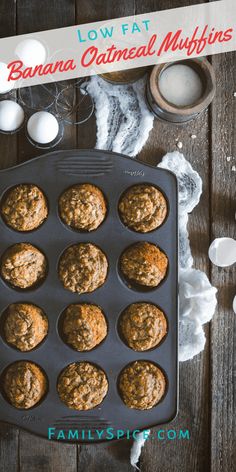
(113, 174)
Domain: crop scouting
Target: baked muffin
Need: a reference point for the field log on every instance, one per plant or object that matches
(24, 384)
(83, 268)
(23, 265)
(83, 207)
(24, 208)
(82, 386)
(25, 326)
(143, 208)
(142, 385)
(84, 326)
(143, 326)
(144, 264)
(124, 76)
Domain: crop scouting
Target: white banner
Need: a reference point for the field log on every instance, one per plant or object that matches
(117, 44)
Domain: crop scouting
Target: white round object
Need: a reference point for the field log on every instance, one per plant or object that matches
(31, 52)
(222, 252)
(180, 85)
(5, 86)
(11, 115)
(234, 304)
(43, 127)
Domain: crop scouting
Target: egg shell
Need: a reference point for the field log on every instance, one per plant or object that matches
(222, 252)
(43, 127)
(234, 304)
(31, 52)
(11, 115)
(5, 86)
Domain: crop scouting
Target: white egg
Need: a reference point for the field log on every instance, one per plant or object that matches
(234, 304)
(31, 52)
(5, 86)
(43, 127)
(222, 252)
(11, 115)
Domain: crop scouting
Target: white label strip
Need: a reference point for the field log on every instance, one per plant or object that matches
(117, 44)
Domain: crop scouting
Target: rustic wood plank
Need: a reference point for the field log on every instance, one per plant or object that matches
(38, 454)
(35, 453)
(223, 333)
(8, 145)
(194, 387)
(194, 375)
(8, 28)
(112, 457)
(194, 411)
(9, 440)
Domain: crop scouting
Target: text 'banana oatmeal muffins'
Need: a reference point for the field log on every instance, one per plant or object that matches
(144, 264)
(82, 386)
(83, 268)
(24, 208)
(25, 326)
(143, 326)
(24, 384)
(23, 265)
(83, 207)
(143, 208)
(84, 326)
(142, 385)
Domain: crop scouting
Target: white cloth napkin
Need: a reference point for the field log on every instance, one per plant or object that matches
(123, 120)
(196, 294)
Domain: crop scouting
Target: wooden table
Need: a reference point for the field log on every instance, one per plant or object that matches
(207, 393)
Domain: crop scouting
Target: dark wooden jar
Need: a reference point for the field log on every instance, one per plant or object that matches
(165, 110)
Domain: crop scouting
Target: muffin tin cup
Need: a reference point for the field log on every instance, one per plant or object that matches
(113, 174)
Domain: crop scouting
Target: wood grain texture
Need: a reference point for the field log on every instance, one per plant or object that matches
(8, 28)
(40, 455)
(194, 411)
(8, 156)
(112, 457)
(207, 395)
(223, 207)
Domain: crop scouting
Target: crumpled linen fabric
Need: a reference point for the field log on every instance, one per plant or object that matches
(196, 294)
(123, 119)
(190, 189)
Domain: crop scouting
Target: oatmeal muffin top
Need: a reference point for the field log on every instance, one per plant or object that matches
(143, 326)
(24, 208)
(143, 208)
(82, 386)
(24, 384)
(23, 265)
(83, 207)
(25, 326)
(83, 268)
(84, 326)
(142, 385)
(144, 264)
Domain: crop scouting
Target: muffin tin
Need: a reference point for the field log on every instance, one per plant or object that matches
(113, 174)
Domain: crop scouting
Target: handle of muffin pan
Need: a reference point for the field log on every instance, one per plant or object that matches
(85, 163)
